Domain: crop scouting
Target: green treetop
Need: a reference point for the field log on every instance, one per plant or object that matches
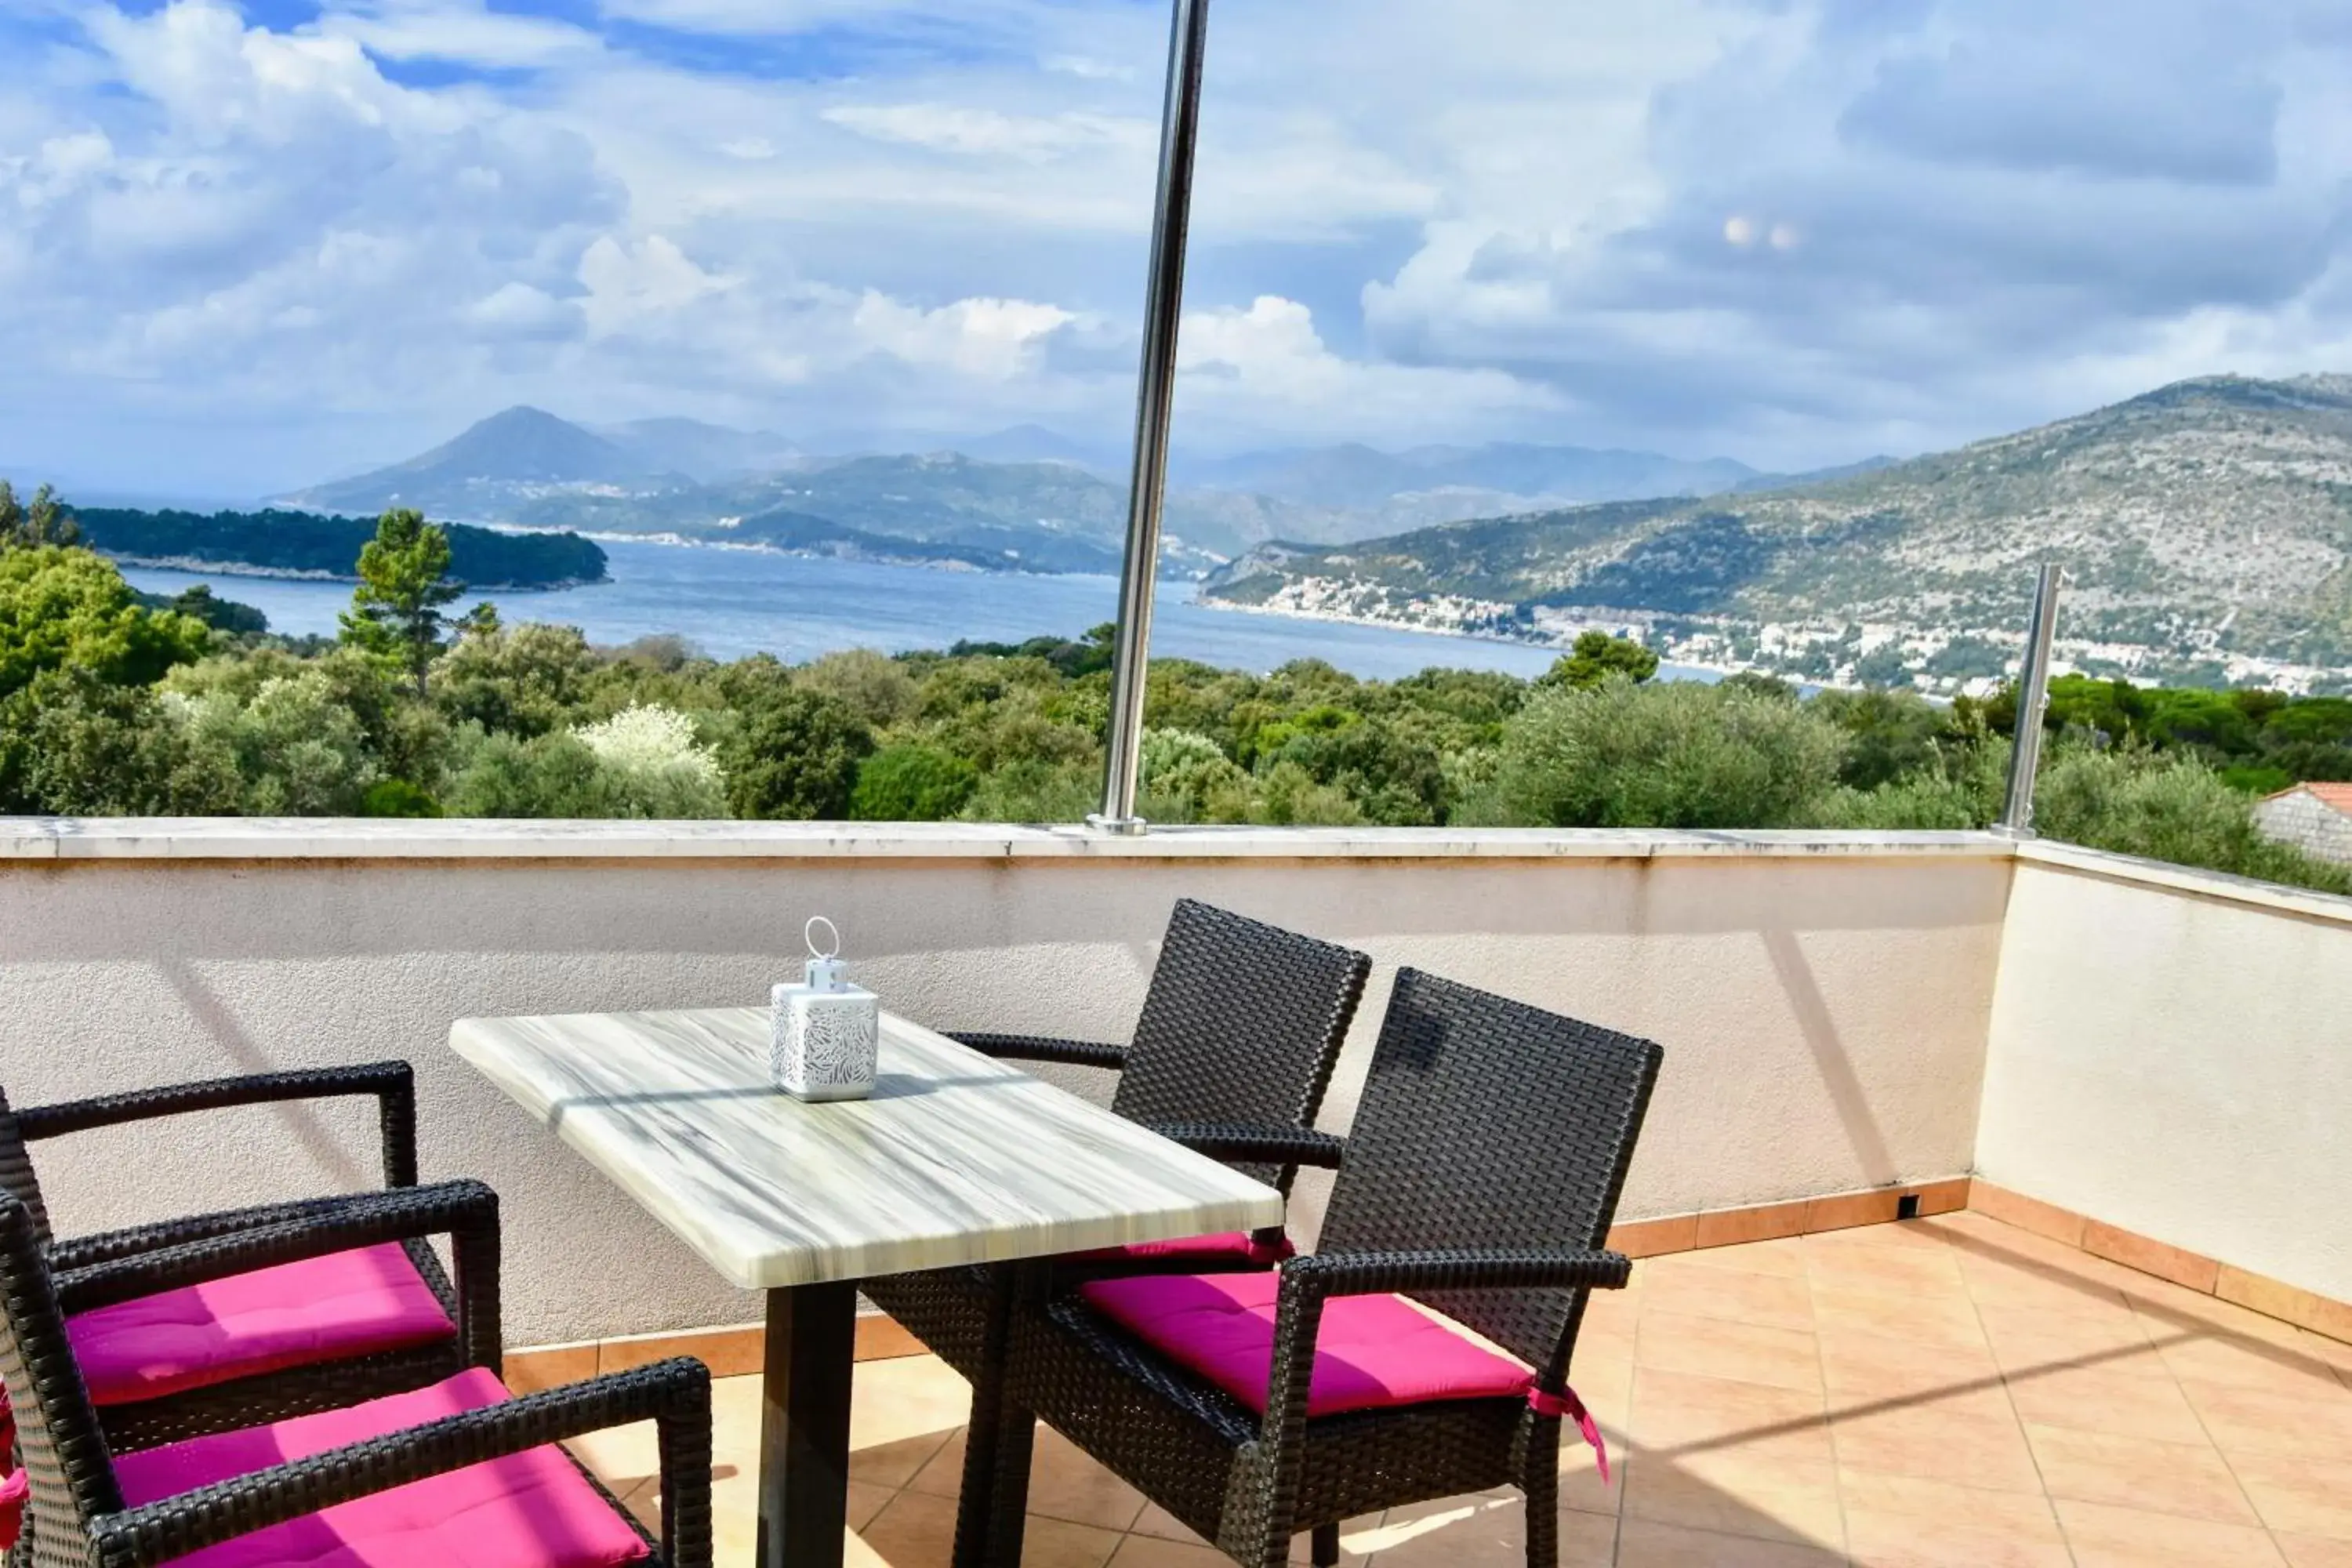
(46, 522)
(1596, 657)
(404, 581)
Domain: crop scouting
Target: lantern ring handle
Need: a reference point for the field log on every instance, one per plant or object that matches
(808, 935)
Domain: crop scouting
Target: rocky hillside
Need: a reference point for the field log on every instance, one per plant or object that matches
(2210, 516)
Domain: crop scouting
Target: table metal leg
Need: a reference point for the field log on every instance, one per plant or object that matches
(805, 1425)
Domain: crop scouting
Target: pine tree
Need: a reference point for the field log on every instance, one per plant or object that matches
(404, 581)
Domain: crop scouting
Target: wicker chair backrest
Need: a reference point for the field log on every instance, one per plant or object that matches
(57, 1434)
(1488, 1124)
(1242, 1022)
(17, 1178)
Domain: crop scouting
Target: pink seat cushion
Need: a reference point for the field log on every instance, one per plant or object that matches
(1238, 1248)
(322, 1309)
(530, 1510)
(1373, 1351)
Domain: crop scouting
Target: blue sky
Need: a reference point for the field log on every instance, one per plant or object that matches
(254, 243)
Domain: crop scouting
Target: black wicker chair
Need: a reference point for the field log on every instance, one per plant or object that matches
(1479, 1179)
(1240, 1027)
(76, 1515)
(115, 1266)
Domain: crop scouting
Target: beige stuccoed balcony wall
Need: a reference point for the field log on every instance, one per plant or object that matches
(1823, 999)
(2171, 1053)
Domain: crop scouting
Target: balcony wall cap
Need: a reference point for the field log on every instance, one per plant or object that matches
(339, 838)
(2217, 886)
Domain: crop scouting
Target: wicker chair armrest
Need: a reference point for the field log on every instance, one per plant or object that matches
(466, 1212)
(1044, 1049)
(674, 1394)
(1328, 1274)
(1308, 1282)
(1268, 1144)
(393, 1083)
(81, 1251)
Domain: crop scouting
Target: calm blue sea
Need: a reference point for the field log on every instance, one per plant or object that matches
(731, 603)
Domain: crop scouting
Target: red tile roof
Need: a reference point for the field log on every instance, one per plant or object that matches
(2335, 796)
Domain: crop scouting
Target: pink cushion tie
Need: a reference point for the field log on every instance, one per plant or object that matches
(1565, 1404)
(531, 1509)
(362, 1302)
(13, 1484)
(1232, 1246)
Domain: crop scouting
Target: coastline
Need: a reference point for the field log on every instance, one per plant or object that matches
(198, 564)
(1668, 669)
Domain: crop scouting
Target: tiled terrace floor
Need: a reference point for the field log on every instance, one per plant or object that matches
(1945, 1392)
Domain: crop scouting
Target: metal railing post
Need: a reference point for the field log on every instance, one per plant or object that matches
(2032, 701)
(1162, 307)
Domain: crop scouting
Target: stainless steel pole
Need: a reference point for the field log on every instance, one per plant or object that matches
(1163, 305)
(2032, 701)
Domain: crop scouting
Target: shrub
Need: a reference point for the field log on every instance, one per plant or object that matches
(297, 749)
(73, 745)
(912, 784)
(2166, 808)
(788, 754)
(653, 767)
(1677, 754)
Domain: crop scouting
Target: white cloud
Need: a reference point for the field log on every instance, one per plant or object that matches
(1797, 230)
(983, 132)
(992, 339)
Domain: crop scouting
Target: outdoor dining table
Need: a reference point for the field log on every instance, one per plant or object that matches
(955, 1159)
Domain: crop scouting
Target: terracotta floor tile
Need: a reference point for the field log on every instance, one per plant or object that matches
(2105, 1537)
(2299, 1496)
(918, 1532)
(1734, 1495)
(1713, 1347)
(1864, 1370)
(866, 1500)
(2185, 1478)
(942, 1475)
(2314, 1550)
(1874, 1541)
(1783, 1255)
(1910, 1234)
(1150, 1552)
(1611, 1313)
(2251, 1363)
(1929, 1443)
(2094, 1399)
(2164, 1299)
(893, 1465)
(905, 1396)
(1065, 1483)
(1679, 1415)
(1914, 1272)
(1485, 1531)
(1893, 1496)
(1774, 1300)
(1946, 1322)
(2025, 1338)
(2254, 1420)
(2008, 1285)
(1898, 1521)
(1643, 1543)
(913, 1532)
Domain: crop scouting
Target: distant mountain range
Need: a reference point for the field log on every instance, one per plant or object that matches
(2210, 517)
(1023, 498)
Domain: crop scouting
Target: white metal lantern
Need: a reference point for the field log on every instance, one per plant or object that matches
(825, 1031)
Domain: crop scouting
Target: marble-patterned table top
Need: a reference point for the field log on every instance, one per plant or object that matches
(956, 1158)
